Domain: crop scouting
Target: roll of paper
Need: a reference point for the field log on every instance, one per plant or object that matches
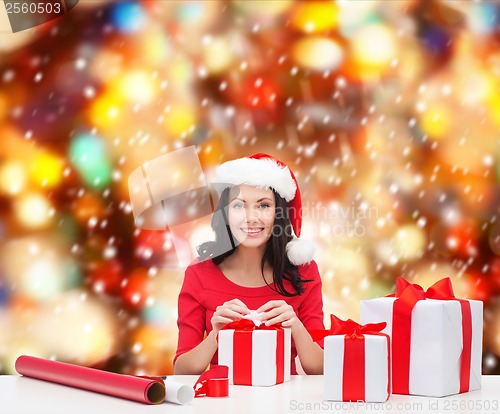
(146, 390)
(178, 393)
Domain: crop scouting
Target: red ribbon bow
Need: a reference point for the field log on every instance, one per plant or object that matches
(213, 383)
(349, 328)
(411, 293)
(408, 294)
(248, 325)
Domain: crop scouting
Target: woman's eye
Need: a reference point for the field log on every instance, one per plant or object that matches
(238, 205)
(265, 206)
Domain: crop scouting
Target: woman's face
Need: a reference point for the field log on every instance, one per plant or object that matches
(251, 216)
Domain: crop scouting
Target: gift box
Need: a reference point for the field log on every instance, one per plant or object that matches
(356, 361)
(255, 355)
(436, 339)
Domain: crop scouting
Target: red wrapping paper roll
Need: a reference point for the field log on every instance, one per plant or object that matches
(145, 390)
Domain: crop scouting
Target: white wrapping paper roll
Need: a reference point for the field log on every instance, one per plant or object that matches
(177, 392)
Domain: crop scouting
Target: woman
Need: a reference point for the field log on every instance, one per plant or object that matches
(254, 264)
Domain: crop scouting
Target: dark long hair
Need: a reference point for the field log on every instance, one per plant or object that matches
(225, 243)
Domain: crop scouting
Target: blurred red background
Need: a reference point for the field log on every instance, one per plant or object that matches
(388, 113)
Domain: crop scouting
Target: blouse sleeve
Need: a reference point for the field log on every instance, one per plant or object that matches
(311, 309)
(191, 313)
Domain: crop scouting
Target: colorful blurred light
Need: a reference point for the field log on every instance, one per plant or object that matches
(4, 294)
(135, 289)
(263, 10)
(152, 350)
(34, 210)
(179, 121)
(436, 121)
(155, 247)
(180, 72)
(354, 14)
(106, 276)
(3, 106)
(409, 242)
(107, 110)
(318, 53)
(135, 86)
(37, 267)
(105, 65)
(259, 92)
(436, 40)
(89, 206)
(483, 18)
(76, 327)
(494, 110)
(475, 86)
(128, 16)
(88, 154)
(190, 11)
(373, 48)
(314, 16)
(46, 170)
(155, 45)
(344, 271)
(492, 329)
(494, 241)
(161, 309)
(217, 55)
(12, 177)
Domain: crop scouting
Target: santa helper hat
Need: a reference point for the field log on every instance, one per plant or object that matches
(264, 170)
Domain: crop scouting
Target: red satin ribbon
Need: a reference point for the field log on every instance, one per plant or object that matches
(408, 295)
(213, 383)
(348, 327)
(353, 379)
(242, 350)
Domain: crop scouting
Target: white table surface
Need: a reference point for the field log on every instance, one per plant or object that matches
(303, 394)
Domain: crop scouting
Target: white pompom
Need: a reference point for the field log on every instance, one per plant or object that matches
(300, 251)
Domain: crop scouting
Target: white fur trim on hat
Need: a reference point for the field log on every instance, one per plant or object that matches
(300, 251)
(262, 172)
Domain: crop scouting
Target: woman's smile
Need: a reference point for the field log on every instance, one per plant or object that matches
(252, 231)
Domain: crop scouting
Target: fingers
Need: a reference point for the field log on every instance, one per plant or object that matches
(227, 313)
(236, 301)
(271, 304)
(236, 306)
(279, 317)
(280, 313)
(220, 320)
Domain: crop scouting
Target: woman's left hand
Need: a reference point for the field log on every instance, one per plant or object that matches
(278, 311)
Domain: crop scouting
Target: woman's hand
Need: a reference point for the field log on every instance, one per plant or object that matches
(278, 311)
(229, 311)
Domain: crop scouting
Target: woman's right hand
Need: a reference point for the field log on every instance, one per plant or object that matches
(229, 311)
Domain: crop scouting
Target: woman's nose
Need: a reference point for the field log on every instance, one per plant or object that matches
(251, 214)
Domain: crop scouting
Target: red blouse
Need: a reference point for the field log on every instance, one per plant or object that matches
(205, 287)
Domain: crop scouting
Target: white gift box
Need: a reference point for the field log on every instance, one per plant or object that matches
(264, 365)
(376, 368)
(436, 343)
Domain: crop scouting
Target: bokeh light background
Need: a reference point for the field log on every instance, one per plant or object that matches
(387, 111)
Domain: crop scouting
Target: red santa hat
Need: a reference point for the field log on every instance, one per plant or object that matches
(264, 170)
